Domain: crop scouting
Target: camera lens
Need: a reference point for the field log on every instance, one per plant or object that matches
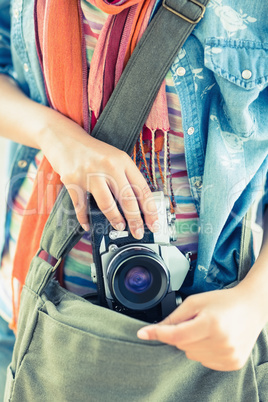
(138, 278)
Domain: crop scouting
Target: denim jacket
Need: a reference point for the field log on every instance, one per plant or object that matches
(221, 77)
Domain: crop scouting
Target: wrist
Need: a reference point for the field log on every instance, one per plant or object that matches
(48, 126)
(254, 289)
(60, 130)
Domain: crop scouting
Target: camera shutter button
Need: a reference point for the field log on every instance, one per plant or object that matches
(118, 234)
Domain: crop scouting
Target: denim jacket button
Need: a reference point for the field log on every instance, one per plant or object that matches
(26, 68)
(22, 164)
(190, 130)
(181, 71)
(246, 74)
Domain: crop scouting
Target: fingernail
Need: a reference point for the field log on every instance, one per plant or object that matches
(139, 233)
(120, 226)
(156, 226)
(85, 226)
(142, 334)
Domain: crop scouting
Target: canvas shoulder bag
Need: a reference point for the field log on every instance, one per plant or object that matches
(69, 349)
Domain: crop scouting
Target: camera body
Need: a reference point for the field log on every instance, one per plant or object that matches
(142, 278)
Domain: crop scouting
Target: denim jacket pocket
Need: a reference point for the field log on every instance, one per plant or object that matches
(242, 62)
(240, 68)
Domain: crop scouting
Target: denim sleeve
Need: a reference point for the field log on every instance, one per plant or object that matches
(6, 66)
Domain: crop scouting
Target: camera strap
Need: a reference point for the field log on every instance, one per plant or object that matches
(134, 94)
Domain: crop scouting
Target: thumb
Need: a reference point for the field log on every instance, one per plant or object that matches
(185, 312)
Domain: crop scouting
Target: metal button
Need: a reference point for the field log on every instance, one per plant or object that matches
(22, 164)
(246, 74)
(26, 68)
(181, 71)
(190, 130)
(198, 184)
(16, 13)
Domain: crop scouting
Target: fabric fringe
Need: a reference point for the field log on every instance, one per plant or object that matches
(154, 142)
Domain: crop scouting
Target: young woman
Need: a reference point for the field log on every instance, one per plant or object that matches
(205, 144)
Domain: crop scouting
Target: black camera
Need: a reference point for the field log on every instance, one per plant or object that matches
(142, 278)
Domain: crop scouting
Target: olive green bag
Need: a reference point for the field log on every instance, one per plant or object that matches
(68, 349)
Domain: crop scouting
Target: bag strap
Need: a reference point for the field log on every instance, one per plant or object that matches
(134, 94)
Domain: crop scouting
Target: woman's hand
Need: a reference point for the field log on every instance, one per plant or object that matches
(87, 164)
(217, 329)
(220, 328)
(83, 163)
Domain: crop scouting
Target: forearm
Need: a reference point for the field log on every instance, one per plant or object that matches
(21, 119)
(256, 282)
(29, 123)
